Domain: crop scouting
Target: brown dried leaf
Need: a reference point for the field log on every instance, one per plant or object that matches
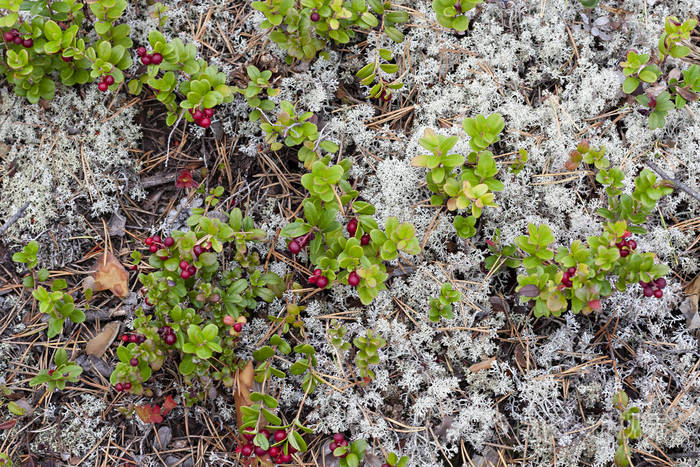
(244, 380)
(111, 275)
(689, 307)
(99, 344)
(483, 365)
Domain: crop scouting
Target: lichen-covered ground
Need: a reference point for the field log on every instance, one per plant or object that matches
(494, 385)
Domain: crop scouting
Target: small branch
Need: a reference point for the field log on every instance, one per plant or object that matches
(677, 183)
(17, 216)
(167, 151)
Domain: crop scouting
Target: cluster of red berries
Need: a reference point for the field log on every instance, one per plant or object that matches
(202, 117)
(318, 280)
(119, 387)
(154, 243)
(298, 243)
(166, 333)
(275, 452)
(149, 59)
(338, 441)
(13, 36)
(626, 246)
(107, 81)
(653, 288)
(135, 338)
(568, 274)
(187, 270)
(352, 229)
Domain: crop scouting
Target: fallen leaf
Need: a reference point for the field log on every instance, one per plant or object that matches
(164, 435)
(244, 380)
(8, 424)
(149, 413)
(168, 405)
(99, 344)
(483, 365)
(111, 275)
(689, 307)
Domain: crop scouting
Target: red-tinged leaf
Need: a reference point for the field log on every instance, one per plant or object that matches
(168, 405)
(8, 424)
(149, 413)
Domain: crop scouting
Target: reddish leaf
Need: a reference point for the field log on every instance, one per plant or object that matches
(149, 413)
(168, 405)
(8, 424)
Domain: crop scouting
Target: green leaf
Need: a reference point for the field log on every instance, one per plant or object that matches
(263, 353)
(52, 31)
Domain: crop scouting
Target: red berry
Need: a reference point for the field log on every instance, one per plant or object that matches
(102, 86)
(229, 320)
(280, 435)
(322, 282)
(192, 270)
(209, 112)
(125, 338)
(146, 59)
(109, 79)
(134, 362)
(643, 284)
(197, 115)
(156, 58)
(260, 451)
(352, 227)
(148, 302)
(658, 293)
(149, 241)
(338, 437)
(648, 291)
(318, 272)
(127, 386)
(51, 372)
(238, 327)
(353, 279)
(274, 451)
(153, 248)
(141, 51)
(343, 442)
(184, 264)
(385, 465)
(567, 283)
(365, 239)
(332, 446)
(660, 282)
(17, 40)
(247, 450)
(142, 338)
(571, 271)
(28, 42)
(266, 433)
(632, 244)
(66, 59)
(315, 16)
(284, 459)
(294, 247)
(133, 338)
(249, 436)
(198, 250)
(624, 253)
(626, 234)
(313, 279)
(119, 387)
(185, 274)
(8, 36)
(170, 339)
(205, 122)
(156, 239)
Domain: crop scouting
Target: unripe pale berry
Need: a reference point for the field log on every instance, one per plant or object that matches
(229, 320)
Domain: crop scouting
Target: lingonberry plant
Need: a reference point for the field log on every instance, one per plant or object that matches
(367, 352)
(384, 88)
(304, 28)
(585, 153)
(51, 41)
(173, 69)
(56, 303)
(441, 307)
(452, 14)
(348, 454)
(259, 82)
(392, 460)
(62, 372)
(463, 185)
(631, 428)
(657, 85)
(194, 308)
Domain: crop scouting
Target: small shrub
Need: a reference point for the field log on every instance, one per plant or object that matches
(631, 428)
(655, 86)
(57, 377)
(441, 307)
(383, 89)
(452, 14)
